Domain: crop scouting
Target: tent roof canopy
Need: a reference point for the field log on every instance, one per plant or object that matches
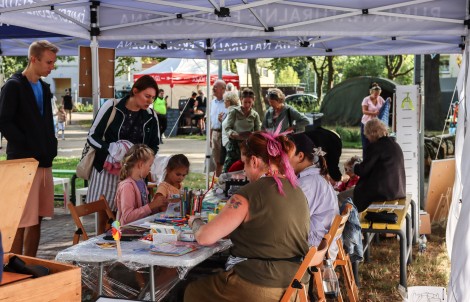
(249, 29)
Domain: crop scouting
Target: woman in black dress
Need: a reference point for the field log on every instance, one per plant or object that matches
(68, 105)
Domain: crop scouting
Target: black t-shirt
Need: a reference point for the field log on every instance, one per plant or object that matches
(132, 126)
(202, 102)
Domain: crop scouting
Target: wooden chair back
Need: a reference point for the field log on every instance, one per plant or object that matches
(342, 258)
(100, 207)
(339, 222)
(314, 258)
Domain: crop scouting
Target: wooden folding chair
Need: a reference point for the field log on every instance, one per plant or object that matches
(342, 258)
(314, 258)
(100, 207)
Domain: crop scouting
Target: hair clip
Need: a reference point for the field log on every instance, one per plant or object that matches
(318, 151)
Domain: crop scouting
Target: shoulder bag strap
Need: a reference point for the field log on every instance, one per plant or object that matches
(289, 117)
(111, 117)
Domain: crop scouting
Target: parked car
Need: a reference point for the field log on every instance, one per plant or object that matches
(303, 102)
(306, 104)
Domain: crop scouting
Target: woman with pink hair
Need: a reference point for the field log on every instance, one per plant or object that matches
(268, 223)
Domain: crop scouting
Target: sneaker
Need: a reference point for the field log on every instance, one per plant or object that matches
(163, 135)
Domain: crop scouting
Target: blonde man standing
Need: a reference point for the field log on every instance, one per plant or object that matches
(26, 120)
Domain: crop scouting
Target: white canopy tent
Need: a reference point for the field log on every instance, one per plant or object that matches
(229, 29)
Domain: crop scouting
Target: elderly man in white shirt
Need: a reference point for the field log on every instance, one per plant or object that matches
(310, 167)
(217, 109)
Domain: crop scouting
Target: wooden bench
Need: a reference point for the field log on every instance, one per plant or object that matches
(404, 229)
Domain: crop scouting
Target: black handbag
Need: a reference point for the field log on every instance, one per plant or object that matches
(382, 217)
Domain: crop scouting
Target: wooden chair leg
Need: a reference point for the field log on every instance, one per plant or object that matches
(76, 238)
(319, 285)
(348, 275)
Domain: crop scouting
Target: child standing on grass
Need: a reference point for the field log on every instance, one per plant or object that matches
(132, 195)
(61, 120)
(176, 170)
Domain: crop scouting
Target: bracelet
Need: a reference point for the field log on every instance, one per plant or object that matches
(197, 224)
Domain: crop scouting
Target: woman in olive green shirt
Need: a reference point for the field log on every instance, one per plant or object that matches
(268, 223)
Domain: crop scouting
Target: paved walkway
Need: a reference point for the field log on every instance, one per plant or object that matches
(57, 233)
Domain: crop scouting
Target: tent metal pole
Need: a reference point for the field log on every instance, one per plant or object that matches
(95, 66)
(208, 111)
(95, 75)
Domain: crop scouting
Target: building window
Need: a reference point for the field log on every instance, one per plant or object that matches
(444, 66)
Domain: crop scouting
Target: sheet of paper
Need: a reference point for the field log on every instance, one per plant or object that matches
(427, 293)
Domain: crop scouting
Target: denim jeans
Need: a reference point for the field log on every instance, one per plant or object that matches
(352, 237)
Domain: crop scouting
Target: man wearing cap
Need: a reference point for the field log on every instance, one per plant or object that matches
(217, 108)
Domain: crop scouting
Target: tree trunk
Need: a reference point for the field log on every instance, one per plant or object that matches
(331, 72)
(259, 99)
(434, 116)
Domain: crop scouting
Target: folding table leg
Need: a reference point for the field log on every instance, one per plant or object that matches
(403, 244)
(100, 279)
(152, 284)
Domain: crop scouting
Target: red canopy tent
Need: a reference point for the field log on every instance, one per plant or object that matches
(182, 76)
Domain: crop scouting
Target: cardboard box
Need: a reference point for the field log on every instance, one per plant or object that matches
(424, 223)
(64, 281)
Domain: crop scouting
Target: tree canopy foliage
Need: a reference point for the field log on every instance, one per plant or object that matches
(325, 72)
(10, 65)
(288, 76)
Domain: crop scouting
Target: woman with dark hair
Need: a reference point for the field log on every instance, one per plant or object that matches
(382, 172)
(267, 221)
(282, 114)
(240, 122)
(310, 166)
(134, 121)
(371, 106)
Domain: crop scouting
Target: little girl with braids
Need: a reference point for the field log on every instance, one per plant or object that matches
(132, 195)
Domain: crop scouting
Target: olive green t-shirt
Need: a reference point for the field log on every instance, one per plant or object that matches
(278, 228)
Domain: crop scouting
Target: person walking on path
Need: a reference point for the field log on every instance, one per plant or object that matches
(68, 105)
(160, 106)
(26, 120)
